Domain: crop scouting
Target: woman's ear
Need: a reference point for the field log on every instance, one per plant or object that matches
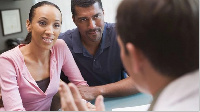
(136, 57)
(28, 25)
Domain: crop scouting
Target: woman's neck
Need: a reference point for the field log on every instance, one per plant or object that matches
(36, 54)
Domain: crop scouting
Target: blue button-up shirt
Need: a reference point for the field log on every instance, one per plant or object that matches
(105, 66)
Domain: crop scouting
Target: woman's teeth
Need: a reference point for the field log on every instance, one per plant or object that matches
(48, 40)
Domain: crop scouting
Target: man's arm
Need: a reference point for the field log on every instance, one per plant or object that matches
(121, 88)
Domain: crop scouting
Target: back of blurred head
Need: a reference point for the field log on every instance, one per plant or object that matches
(166, 31)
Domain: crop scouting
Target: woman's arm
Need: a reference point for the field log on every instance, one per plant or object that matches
(1, 102)
(70, 68)
(9, 86)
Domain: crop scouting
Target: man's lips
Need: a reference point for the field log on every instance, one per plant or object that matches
(94, 32)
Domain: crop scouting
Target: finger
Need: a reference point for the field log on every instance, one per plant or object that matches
(67, 100)
(91, 106)
(99, 103)
(62, 97)
(77, 98)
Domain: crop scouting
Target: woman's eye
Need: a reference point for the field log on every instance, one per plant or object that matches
(42, 23)
(97, 16)
(57, 25)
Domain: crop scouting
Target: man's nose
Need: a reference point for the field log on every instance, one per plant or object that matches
(92, 24)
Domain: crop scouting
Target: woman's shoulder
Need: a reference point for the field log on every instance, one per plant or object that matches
(60, 46)
(60, 42)
(11, 57)
(12, 53)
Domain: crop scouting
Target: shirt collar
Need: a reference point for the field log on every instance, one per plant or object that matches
(76, 42)
(106, 39)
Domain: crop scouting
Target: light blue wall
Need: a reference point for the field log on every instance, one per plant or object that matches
(24, 6)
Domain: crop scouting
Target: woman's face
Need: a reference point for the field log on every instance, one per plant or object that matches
(45, 26)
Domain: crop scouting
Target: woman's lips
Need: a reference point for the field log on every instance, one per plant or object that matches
(47, 40)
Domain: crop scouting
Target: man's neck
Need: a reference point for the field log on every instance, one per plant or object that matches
(91, 47)
(155, 81)
(159, 83)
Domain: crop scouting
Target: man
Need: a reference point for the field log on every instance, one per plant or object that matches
(96, 52)
(159, 42)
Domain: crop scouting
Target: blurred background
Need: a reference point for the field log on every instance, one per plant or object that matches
(11, 40)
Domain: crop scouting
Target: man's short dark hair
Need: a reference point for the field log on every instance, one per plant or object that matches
(83, 3)
(166, 31)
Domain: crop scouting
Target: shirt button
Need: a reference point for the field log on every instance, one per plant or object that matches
(94, 60)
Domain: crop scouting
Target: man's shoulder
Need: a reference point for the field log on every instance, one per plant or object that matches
(68, 33)
(110, 25)
(111, 30)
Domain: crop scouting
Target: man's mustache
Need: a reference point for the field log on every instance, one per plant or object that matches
(94, 30)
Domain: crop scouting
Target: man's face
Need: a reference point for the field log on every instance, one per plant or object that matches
(90, 22)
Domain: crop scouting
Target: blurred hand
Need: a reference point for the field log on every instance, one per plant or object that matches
(90, 106)
(88, 93)
(71, 99)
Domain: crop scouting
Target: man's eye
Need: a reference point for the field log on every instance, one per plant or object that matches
(83, 19)
(42, 23)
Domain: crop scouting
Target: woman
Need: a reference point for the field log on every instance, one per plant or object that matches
(30, 73)
(1, 102)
